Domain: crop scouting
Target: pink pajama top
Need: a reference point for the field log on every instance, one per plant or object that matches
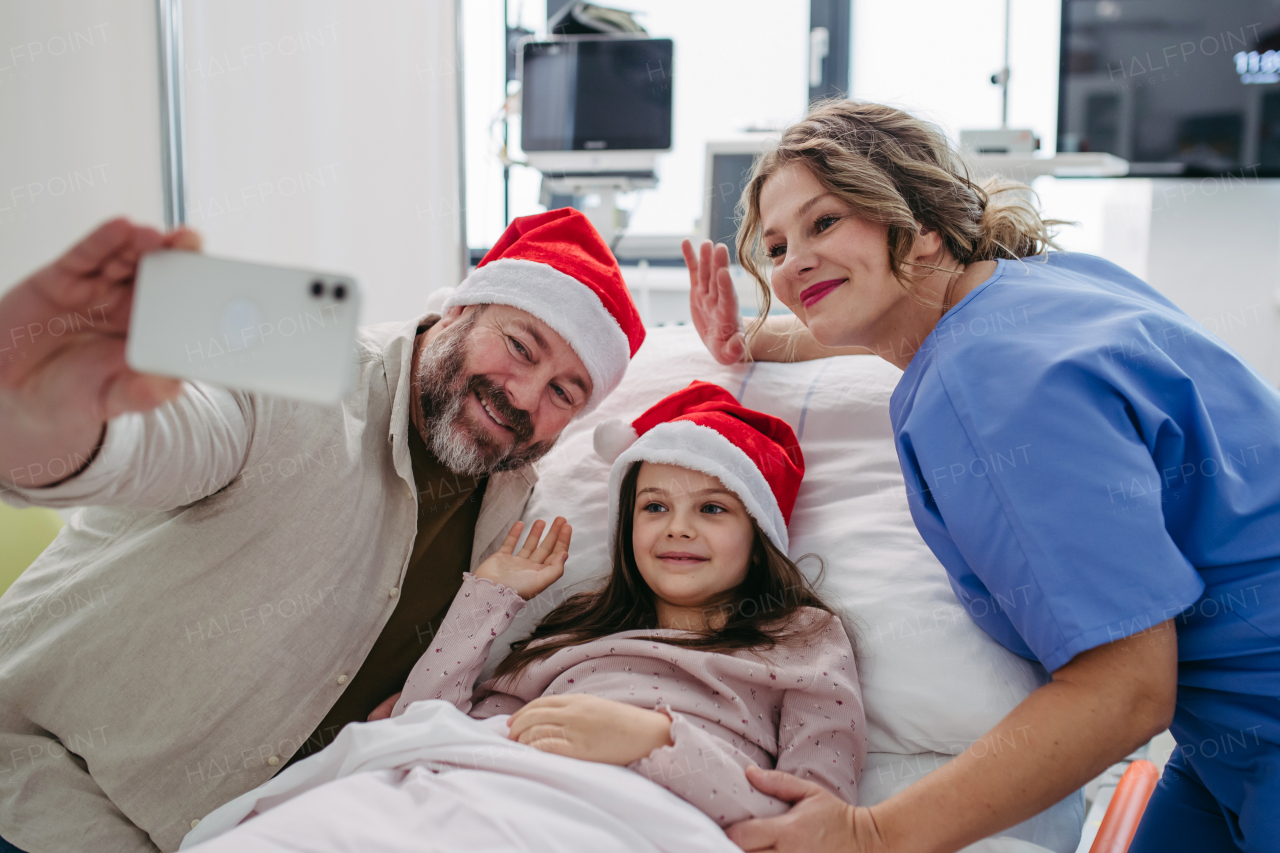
(799, 709)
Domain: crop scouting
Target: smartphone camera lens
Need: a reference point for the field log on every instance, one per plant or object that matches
(317, 288)
(339, 292)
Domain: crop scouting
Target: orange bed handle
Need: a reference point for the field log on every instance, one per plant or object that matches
(1126, 808)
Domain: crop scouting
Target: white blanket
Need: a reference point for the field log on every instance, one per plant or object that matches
(434, 779)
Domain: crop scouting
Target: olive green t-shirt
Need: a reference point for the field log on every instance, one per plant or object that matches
(448, 507)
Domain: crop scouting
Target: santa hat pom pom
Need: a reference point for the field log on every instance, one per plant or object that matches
(612, 437)
(435, 302)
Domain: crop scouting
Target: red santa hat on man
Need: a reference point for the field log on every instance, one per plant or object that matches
(702, 427)
(555, 266)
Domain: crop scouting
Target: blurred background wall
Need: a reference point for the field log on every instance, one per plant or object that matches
(319, 134)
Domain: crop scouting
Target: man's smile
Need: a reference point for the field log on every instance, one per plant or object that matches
(491, 412)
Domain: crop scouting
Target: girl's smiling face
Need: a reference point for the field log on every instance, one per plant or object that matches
(692, 540)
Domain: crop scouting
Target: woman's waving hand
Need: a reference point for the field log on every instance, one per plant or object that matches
(713, 302)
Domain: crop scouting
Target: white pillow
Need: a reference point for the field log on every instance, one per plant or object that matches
(933, 682)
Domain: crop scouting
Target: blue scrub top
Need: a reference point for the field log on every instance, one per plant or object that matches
(1087, 462)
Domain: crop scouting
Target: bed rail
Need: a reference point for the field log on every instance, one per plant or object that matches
(1126, 807)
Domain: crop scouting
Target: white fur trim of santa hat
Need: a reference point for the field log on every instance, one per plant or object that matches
(565, 304)
(700, 448)
(435, 302)
(611, 437)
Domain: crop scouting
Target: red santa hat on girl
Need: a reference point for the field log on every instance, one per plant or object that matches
(703, 428)
(555, 266)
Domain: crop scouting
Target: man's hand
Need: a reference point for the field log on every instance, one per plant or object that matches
(818, 822)
(536, 566)
(62, 341)
(590, 728)
(713, 301)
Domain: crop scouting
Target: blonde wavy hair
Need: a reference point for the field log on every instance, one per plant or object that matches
(901, 172)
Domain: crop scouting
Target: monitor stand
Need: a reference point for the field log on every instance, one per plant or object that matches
(597, 195)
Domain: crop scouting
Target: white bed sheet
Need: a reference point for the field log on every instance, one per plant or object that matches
(436, 781)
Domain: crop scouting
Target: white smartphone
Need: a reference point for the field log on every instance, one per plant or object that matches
(275, 330)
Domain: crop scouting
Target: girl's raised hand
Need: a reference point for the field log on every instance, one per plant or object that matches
(713, 301)
(537, 564)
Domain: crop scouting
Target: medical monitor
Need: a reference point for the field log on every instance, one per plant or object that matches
(596, 93)
(1173, 86)
(728, 168)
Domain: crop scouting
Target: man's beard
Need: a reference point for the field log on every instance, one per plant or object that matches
(457, 441)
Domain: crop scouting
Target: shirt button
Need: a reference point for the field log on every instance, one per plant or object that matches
(342, 679)
(195, 823)
(273, 760)
(393, 592)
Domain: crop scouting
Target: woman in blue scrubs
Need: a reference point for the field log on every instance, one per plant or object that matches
(1099, 476)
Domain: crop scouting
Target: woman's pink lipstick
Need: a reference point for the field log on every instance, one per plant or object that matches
(814, 292)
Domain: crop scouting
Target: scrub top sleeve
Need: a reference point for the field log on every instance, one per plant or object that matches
(1052, 496)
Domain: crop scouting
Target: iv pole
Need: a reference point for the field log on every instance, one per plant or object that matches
(1004, 74)
(1001, 77)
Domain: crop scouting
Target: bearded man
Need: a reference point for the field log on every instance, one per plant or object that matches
(254, 573)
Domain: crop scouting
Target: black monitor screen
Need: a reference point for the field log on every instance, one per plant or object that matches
(593, 93)
(729, 176)
(1190, 82)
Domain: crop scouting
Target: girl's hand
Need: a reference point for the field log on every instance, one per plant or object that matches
(384, 709)
(536, 566)
(818, 822)
(591, 728)
(713, 301)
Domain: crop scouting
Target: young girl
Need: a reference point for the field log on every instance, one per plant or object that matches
(706, 652)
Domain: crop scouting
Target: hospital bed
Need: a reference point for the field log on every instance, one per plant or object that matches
(933, 682)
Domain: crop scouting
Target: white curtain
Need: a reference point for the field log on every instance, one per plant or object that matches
(325, 134)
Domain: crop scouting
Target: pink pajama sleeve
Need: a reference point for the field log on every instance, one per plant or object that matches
(449, 669)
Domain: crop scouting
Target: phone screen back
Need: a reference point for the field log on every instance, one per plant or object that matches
(275, 330)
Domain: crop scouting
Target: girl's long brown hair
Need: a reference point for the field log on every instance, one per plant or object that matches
(759, 611)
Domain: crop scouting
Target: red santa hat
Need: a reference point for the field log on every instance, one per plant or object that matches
(556, 266)
(702, 427)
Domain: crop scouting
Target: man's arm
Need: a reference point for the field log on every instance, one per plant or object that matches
(1100, 707)
(49, 802)
(188, 448)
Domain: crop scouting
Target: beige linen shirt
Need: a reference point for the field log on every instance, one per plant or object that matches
(185, 634)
